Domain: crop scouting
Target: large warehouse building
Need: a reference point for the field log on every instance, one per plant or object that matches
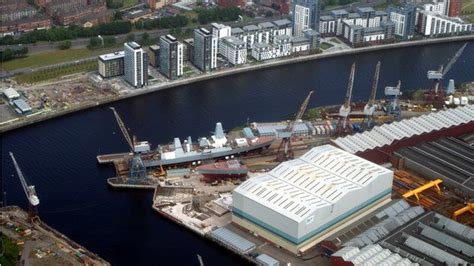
(301, 201)
(378, 144)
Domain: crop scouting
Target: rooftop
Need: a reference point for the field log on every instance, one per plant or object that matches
(339, 12)
(22, 105)
(232, 40)
(250, 28)
(389, 133)
(319, 178)
(133, 45)
(266, 25)
(365, 9)
(299, 40)
(154, 47)
(236, 30)
(326, 18)
(282, 22)
(112, 56)
(11, 93)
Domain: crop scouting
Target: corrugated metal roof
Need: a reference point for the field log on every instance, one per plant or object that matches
(22, 104)
(432, 251)
(455, 228)
(267, 260)
(385, 227)
(11, 93)
(233, 240)
(371, 255)
(389, 133)
(318, 179)
(447, 240)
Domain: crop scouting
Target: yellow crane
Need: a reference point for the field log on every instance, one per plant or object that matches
(422, 188)
(468, 208)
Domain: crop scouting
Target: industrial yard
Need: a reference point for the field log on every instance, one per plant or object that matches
(41, 245)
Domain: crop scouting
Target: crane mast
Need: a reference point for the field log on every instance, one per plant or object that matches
(137, 169)
(436, 93)
(284, 150)
(30, 192)
(123, 129)
(369, 108)
(343, 125)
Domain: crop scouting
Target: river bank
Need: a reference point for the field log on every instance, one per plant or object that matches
(227, 72)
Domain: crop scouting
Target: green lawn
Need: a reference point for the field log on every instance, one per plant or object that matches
(326, 45)
(128, 3)
(54, 57)
(467, 6)
(56, 72)
(11, 250)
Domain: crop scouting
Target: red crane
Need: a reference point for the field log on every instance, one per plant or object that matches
(285, 152)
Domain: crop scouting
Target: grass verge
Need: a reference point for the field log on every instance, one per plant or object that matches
(57, 72)
(325, 45)
(52, 57)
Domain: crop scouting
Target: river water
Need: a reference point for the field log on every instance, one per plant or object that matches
(59, 156)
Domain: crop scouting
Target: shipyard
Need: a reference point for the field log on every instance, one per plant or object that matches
(374, 178)
(218, 132)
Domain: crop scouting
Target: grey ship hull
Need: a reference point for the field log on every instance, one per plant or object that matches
(207, 155)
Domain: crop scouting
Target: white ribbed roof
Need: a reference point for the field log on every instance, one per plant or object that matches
(320, 178)
(371, 255)
(388, 133)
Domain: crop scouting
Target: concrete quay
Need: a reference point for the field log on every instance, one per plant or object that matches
(227, 72)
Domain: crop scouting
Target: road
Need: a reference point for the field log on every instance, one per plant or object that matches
(83, 42)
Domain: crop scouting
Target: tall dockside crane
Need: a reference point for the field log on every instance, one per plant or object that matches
(393, 105)
(437, 93)
(369, 108)
(137, 169)
(285, 151)
(30, 192)
(344, 125)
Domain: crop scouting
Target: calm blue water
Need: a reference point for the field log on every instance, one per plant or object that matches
(59, 156)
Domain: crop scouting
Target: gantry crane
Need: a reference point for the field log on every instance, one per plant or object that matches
(137, 169)
(344, 125)
(392, 107)
(284, 150)
(30, 192)
(369, 108)
(436, 93)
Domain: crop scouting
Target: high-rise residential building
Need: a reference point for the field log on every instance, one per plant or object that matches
(205, 50)
(305, 16)
(135, 65)
(432, 24)
(233, 49)
(154, 55)
(220, 30)
(111, 65)
(171, 57)
(404, 19)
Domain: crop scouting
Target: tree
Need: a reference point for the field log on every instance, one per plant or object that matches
(109, 41)
(94, 42)
(269, 14)
(6, 55)
(64, 45)
(145, 36)
(130, 37)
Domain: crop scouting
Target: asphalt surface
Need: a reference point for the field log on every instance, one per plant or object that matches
(83, 42)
